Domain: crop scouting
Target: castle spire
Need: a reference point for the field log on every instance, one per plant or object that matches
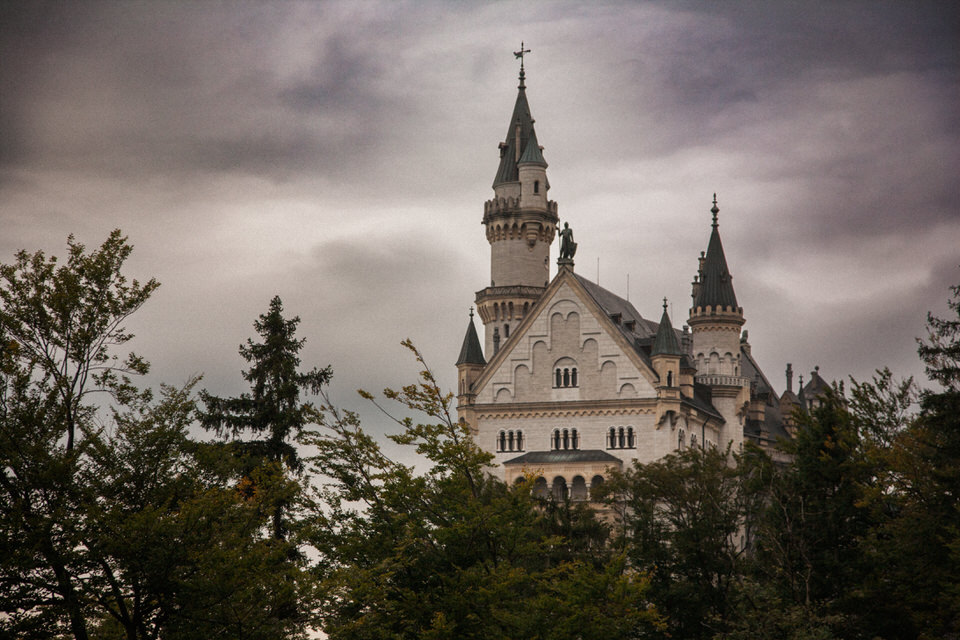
(471, 352)
(715, 282)
(519, 133)
(666, 342)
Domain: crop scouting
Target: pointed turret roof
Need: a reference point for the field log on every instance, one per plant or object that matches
(666, 342)
(532, 154)
(471, 352)
(512, 147)
(716, 283)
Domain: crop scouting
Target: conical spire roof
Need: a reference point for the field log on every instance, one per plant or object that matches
(512, 147)
(666, 342)
(532, 154)
(716, 283)
(471, 352)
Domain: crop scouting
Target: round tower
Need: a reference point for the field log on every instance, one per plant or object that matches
(715, 322)
(520, 225)
(715, 318)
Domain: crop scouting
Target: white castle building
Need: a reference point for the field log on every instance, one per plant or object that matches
(571, 381)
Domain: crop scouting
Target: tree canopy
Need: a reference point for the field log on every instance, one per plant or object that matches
(116, 521)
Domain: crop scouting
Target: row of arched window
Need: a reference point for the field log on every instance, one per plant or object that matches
(565, 378)
(569, 439)
(510, 441)
(565, 439)
(621, 438)
(579, 489)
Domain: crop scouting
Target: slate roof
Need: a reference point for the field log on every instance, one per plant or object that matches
(532, 154)
(716, 283)
(702, 401)
(817, 386)
(643, 337)
(507, 172)
(566, 455)
(471, 352)
(666, 342)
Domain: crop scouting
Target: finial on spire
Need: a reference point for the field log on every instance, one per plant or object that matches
(715, 210)
(471, 314)
(664, 304)
(519, 54)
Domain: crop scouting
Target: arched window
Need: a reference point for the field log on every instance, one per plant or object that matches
(579, 489)
(621, 440)
(566, 377)
(573, 377)
(559, 376)
(519, 440)
(575, 440)
(536, 186)
(669, 378)
(559, 488)
(510, 440)
(613, 438)
(506, 331)
(502, 442)
(631, 443)
(566, 439)
(540, 488)
(556, 439)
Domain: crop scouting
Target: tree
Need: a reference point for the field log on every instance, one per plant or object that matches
(59, 326)
(453, 552)
(113, 523)
(682, 520)
(918, 544)
(64, 321)
(272, 410)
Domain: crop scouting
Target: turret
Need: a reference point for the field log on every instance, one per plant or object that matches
(715, 318)
(666, 356)
(715, 322)
(470, 365)
(520, 224)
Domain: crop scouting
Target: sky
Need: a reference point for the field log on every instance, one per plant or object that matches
(338, 154)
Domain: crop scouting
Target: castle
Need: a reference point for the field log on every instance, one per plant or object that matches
(571, 381)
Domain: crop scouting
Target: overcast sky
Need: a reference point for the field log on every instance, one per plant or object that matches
(339, 154)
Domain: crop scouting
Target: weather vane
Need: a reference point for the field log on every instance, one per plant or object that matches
(519, 54)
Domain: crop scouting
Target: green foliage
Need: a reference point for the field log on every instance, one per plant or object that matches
(682, 519)
(63, 322)
(453, 552)
(941, 350)
(131, 530)
(272, 409)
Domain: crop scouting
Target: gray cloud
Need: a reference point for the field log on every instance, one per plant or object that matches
(339, 154)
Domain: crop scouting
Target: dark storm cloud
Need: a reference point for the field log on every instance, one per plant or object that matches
(137, 88)
(339, 154)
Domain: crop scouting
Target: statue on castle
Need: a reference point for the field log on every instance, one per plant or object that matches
(567, 246)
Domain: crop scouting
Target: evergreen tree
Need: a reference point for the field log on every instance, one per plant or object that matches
(272, 411)
(918, 545)
(113, 524)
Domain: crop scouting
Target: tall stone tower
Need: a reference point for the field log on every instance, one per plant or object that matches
(715, 322)
(520, 223)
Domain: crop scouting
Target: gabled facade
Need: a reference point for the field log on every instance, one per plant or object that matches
(571, 381)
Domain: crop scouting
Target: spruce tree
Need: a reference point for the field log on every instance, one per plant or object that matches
(272, 411)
